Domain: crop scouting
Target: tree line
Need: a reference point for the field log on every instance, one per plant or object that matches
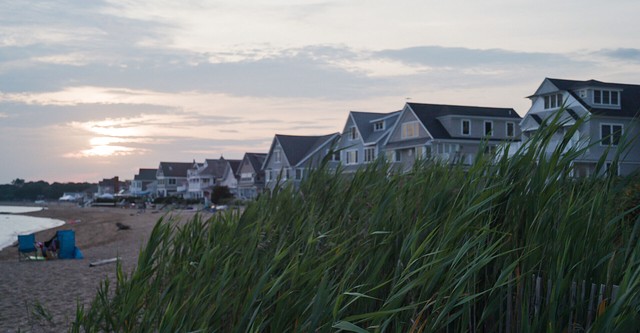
(20, 190)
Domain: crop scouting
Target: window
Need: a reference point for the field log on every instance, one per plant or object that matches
(552, 101)
(276, 156)
(606, 97)
(511, 129)
(398, 156)
(369, 154)
(299, 173)
(172, 181)
(351, 157)
(409, 130)
(378, 126)
(287, 174)
(610, 134)
(466, 127)
(488, 128)
(353, 133)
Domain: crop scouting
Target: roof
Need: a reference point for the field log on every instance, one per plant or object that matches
(629, 100)
(215, 167)
(428, 114)
(235, 165)
(296, 147)
(146, 174)
(256, 160)
(364, 123)
(175, 169)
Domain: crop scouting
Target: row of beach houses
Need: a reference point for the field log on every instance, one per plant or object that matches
(450, 133)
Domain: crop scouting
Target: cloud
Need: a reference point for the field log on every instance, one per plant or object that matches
(625, 54)
(455, 57)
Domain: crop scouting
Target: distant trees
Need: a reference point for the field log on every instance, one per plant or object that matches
(220, 194)
(20, 190)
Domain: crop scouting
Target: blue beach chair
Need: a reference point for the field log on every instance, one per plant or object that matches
(26, 245)
(67, 244)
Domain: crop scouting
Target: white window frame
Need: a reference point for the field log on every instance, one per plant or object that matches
(608, 167)
(553, 101)
(506, 129)
(377, 128)
(410, 130)
(277, 156)
(611, 131)
(299, 174)
(369, 154)
(601, 92)
(484, 128)
(351, 157)
(468, 121)
(353, 133)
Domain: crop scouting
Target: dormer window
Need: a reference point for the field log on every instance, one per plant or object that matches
(552, 101)
(353, 133)
(606, 97)
(378, 126)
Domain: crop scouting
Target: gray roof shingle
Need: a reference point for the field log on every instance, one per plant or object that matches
(629, 100)
(296, 147)
(175, 169)
(428, 114)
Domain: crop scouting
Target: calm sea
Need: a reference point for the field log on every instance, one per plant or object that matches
(12, 225)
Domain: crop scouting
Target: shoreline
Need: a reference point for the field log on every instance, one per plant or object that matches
(57, 286)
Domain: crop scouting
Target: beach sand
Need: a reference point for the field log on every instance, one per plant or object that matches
(57, 285)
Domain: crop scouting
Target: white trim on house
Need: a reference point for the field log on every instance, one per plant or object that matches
(369, 154)
(462, 122)
(351, 157)
(506, 129)
(611, 134)
(484, 128)
(410, 130)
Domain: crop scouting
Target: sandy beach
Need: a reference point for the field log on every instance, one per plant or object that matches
(57, 285)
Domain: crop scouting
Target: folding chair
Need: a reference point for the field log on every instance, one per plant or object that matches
(26, 245)
(67, 244)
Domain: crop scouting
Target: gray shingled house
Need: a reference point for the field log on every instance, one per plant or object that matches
(362, 138)
(170, 176)
(291, 156)
(250, 175)
(450, 133)
(612, 112)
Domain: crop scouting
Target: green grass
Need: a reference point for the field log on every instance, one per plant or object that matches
(432, 250)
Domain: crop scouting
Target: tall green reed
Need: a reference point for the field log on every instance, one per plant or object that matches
(435, 249)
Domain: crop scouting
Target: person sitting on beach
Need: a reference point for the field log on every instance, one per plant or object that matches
(50, 245)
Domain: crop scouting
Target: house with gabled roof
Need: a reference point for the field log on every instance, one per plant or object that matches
(203, 177)
(291, 156)
(170, 176)
(362, 138)
(250, 175)
(144, 183)
(449, 133)
(611, 111)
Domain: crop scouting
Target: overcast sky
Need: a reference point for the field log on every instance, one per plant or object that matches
(96, 89)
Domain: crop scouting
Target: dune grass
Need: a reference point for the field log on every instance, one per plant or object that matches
(438, 249)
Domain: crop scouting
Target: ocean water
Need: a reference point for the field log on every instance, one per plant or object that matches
(12, 225)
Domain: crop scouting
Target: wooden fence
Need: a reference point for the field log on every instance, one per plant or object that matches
(581, 306)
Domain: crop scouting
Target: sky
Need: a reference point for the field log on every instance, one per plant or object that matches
(97, 89)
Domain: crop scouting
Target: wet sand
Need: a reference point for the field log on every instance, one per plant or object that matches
(58, 285)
